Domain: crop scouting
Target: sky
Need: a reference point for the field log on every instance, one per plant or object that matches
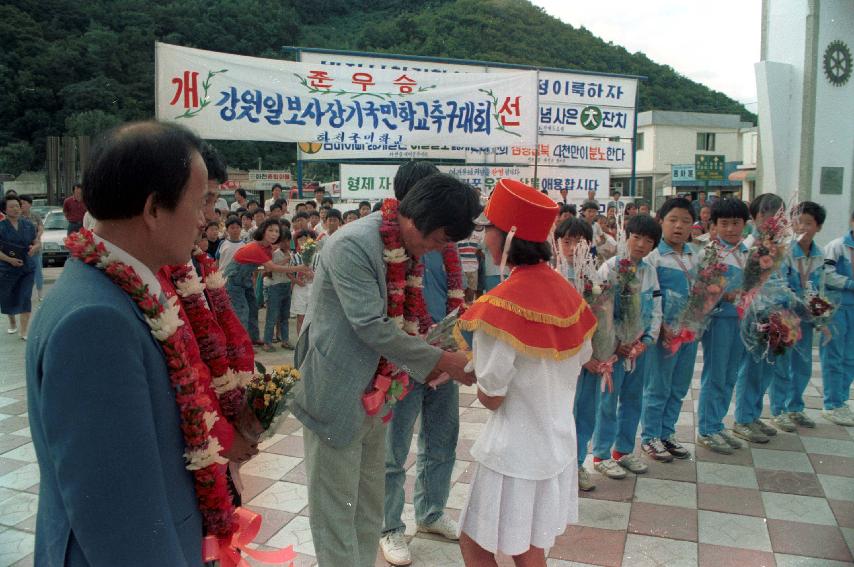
(713, 43)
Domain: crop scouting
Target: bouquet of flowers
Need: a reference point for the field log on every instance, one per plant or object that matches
(599, 295)
(707, 289)
(267, 397)
(629, 320)
(769, 326)
(441, 335)
(765, 255)
(307, 250)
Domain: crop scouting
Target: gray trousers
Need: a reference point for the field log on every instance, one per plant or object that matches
(345, 496)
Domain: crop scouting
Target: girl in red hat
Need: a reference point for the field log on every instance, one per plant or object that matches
(529, 337)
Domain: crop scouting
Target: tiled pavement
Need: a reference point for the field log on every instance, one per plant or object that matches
(789, 503)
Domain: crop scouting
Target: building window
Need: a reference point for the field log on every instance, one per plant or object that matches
(639, 141)
(705, 141)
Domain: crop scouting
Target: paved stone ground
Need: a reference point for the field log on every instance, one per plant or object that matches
(789, 503)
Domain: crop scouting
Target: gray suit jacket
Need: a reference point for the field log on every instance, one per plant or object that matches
(346, 331)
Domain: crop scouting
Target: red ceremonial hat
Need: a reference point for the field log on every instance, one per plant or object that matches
(514, 204)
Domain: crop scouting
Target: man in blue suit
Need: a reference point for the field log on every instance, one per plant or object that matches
(106, 429)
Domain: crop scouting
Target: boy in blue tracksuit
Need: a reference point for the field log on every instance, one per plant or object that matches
(669, 376)
(755, 376)
(723, 348)
(837, 357)
(567, 235)
(805, 270)
(619, 411)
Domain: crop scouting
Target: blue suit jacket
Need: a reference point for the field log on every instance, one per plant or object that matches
(114, 489)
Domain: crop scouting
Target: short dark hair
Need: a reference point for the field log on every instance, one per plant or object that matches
(441, 201)
(314, 213)
(246, 215)
(300, 215)
(281, 201)
(285, 223)
(676, 203)
(524, 252)
(353, 213)
(630, 206)
(26, 198)
(572, 209)
(212, 223)
(240, 191)
(214, 162)
(764, 204)
(320, 189)
(616, 194)
(276, 186)
(816, 211)
(311, 204)
(564, 208)
(134, 161)
(377, 206)
(574, 227)
(261, 230)
(305, 232)
(284, 233)
(8, 198)
(334, 214)
(231, 221)
(409, 174)
(73, 187)
(644, 225)
(275, 206)
(259, 211)
(327, 200)
(589, 205)
(251, 202)
(364, 204)
(729, 208)
(299, 205)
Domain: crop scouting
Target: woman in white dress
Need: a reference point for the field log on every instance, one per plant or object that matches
(529, 337)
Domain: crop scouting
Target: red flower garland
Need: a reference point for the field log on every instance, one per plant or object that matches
(454, 273)
(194, 404)
(405, 306)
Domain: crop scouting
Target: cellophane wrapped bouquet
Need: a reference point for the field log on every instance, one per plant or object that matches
(267, 397)
(766, 254)
(770, 325)
(598, 292)
(707, 289)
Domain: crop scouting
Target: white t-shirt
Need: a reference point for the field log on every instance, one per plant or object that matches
(282, 259)
(532, 434)
(226, 251)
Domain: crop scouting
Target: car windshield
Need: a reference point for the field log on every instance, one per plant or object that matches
(55, 221)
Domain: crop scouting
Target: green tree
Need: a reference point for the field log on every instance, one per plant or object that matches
(16, 158)
(90, 123)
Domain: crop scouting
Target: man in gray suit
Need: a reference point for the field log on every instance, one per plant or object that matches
(347, 331)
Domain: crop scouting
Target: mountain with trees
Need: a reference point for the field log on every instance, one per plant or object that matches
(77, 68)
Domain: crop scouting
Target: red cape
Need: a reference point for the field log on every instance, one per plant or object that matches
(535, 311)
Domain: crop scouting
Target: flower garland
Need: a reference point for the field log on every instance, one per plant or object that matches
(225, 346)
(454, 273)
(197, 419)
(404, 282)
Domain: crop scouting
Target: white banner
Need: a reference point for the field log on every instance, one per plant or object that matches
(224, 96)
(552, 150)
(374, 182)
(612, 97)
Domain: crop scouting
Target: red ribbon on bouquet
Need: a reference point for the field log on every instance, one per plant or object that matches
(606, 370)
(684, 336)
(375, 400)
(228, 550)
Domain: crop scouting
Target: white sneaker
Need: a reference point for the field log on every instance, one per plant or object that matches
(12, 330)
(444, 526)
(839, 416)
(394, 547)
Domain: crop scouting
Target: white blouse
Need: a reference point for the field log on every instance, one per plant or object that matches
(532, 434)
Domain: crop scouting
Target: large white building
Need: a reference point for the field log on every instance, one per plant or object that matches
(669, 138)
(806, 105)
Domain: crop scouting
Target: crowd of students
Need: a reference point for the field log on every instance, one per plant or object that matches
(648, 393)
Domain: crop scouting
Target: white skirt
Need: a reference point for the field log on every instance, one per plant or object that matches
(508, 515)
